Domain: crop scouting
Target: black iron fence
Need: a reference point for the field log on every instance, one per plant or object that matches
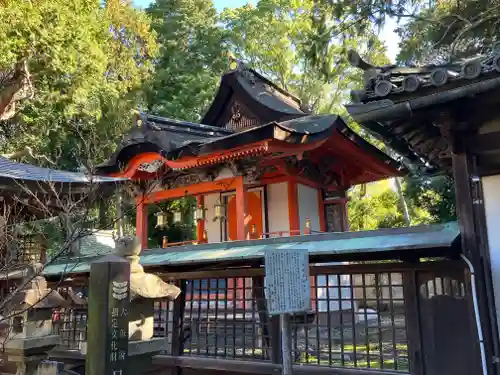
(364, 316)
(356, 320)
(71, 325)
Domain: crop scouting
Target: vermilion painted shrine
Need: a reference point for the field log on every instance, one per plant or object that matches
(258, 153)
(268, 174)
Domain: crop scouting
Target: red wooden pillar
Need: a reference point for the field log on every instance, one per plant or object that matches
(242, 231)
(200, 224)
(141, 222)
(241, 210)
(321, 211)
(293, 207)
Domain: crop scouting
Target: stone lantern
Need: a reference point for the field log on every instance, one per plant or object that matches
(28, 318)
(145, 289)
(71, 321)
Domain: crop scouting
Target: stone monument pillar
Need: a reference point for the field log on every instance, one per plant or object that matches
(121, 312)
(108, 315)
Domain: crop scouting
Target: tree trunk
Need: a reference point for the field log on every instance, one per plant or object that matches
(14, 89)
(102, 214)
(120, 220)
(399, 190)
(402, 202)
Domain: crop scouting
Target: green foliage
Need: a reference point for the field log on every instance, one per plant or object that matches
(48, 232)
(336, 24)
(450, 29)
(87, 61)
(191, 61)
(274, 37)
(431, 31)
(175, 232)
(435, 196)
(93, 63)
(430, 200)
(379, 210)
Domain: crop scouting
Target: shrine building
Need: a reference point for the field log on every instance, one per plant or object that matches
(259, 164)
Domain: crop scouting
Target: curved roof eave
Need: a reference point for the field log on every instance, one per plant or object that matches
(280, 106)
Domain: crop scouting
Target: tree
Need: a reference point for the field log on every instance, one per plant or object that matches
(41, 222)
(86, 62)
(450, 29)
(374, 211)
(433, 31)
(191, 60)
(273, 38)
(433, 195)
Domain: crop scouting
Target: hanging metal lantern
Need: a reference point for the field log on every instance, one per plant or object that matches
(177, 217)
(307, 230)
(161, 220)
(199, 213)
(218, 211)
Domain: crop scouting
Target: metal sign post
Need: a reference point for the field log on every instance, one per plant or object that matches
(287, 292)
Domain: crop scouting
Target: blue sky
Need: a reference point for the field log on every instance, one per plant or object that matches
(387, 34)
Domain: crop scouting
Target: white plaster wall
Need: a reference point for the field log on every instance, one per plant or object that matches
(308, 207)
(224, 173)
(212, 227)
(277, 203)
(491, 191)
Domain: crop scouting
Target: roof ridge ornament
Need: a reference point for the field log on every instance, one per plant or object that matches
(390, 80)
(357, 61)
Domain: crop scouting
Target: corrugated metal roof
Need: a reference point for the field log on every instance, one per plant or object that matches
(347, 243)
(22, 171)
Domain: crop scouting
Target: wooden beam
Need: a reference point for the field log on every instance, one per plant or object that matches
(264, 318)
(345, 216)
(226, 184)
(131, 168)
(244, 151)
(253, 367)
(411, 292)
(293, 206)
(177, 325)
(474, 246)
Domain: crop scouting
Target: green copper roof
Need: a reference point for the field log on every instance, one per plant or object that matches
(414, 239)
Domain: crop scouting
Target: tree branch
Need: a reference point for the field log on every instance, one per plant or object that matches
(18, 88)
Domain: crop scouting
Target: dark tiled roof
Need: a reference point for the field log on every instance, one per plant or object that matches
(405, 83)
(256, 97)
(247, 109)
(22, 184)
(176, 139)
(28, 172)
(401, 104)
